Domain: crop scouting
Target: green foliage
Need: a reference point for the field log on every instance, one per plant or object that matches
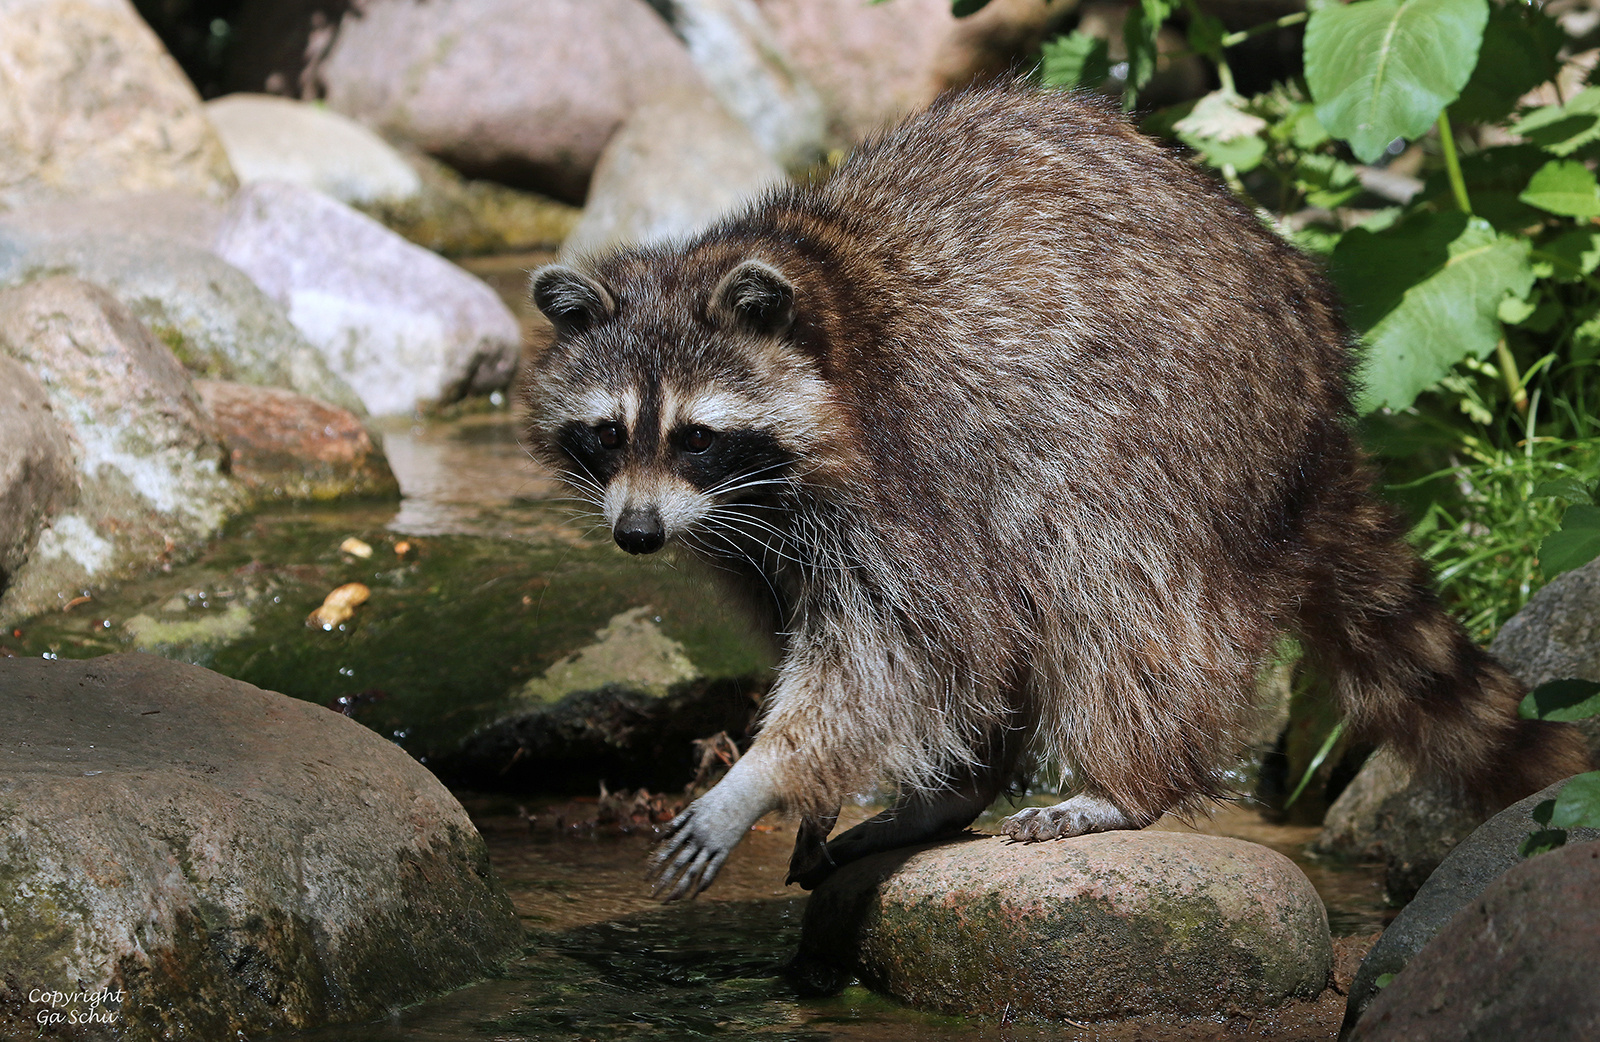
(1385, 69)
(1562, 700)
(1577, 805)
(1075, 60)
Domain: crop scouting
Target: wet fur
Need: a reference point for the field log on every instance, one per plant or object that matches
(1069, 444)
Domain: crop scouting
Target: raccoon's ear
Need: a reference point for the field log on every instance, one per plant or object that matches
(754, 296)
(571, 300)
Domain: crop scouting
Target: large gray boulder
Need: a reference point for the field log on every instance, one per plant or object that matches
(217, 321)
(399, 324)
(1556, 636)
(93, 105)
(222, 861)
(149, 463)
(1098, 927)
(1486, 854)
(522, 91)
(678, 163)
(1516, 962)
(37, 478)
(272, 138)
(740, 56)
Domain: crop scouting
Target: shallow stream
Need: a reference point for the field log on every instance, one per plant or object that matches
(479, 581)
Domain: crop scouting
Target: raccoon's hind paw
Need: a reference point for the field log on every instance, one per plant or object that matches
(1074, 817)
(688, 857)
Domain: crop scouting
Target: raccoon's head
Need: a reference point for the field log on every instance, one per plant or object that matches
(680, 412)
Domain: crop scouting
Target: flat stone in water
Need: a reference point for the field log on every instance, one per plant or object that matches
(1115, 925)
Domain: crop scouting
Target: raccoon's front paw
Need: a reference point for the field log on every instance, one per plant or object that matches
(1074, 817)
(691, 853)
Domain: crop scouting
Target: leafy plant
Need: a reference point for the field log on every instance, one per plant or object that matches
(1577, 805)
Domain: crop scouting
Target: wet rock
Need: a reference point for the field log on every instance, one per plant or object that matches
(459, 217)
(37, 478)
(93, 105)
(1480, 859)
(624, 711)
(1556, 636)
(521, 91)
(1386, 815)
(677, 164)
(1516, 962)
(215, 320)
(225, 860)
(1105, 926)
(149, 462)
(284, 445)
(739, 54)
(399, 324)
(271, 138)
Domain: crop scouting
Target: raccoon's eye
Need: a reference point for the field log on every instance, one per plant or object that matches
(610, 435)
(698, 439)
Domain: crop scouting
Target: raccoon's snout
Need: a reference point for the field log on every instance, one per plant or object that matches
(640, 531)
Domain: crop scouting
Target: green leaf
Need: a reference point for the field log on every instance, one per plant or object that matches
(1075, 60)
(1570, 489)
(1571, 255)
(1385, 69)
(1519, 52)
(1562, 701)
(1494, 178)
(1578, 803)
(1205, 35)
(1563, 129)
(1542, 842)
(1565, 187)
(962, 8)
(1139, 32)
(1444, 312)
(1541, 812)
(1575, 545)
(1383, 980)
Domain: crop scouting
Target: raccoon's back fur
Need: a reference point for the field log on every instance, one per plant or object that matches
(1033, 437)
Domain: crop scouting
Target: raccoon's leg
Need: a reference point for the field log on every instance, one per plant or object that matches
(1081, 814)
(1404, 670)
(915, 818)
(699, 840)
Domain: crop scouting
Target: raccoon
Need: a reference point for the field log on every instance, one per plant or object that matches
(1028, 442)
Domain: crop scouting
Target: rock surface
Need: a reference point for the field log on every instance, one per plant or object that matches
(739, 54)
(1459, 880)
(271, 138)
(169, 214)
(1556, 636)
(1517, 962)
(217, 321)
(93, 105)
(284, 445)
(226, 860)
(1103, 926)
(150, 464)
(399, 324)
(522, 91)
(37, 478)
(678, 163)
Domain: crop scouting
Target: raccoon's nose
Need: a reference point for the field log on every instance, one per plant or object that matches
(639, 531)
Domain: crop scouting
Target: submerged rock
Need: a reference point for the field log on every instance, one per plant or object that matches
(224, 861)
(284, 445)
(150, 465)
(678, 163)
(213, 317)
(400, 324)
(1490, 851)
(93, 105)
(1105, 926)
(271, 138)
(1516, 962)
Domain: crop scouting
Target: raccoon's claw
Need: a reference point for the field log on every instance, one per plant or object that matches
(1074, 817)
(688, 857)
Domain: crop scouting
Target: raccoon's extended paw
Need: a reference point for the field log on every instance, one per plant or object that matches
(691, 853)
(1075, 817)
